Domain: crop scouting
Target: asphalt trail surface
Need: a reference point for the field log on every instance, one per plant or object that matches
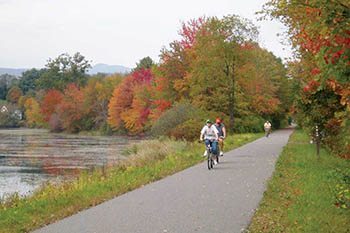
(221, 200)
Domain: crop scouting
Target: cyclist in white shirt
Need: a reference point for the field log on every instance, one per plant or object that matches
(267, 128)
(210, 135)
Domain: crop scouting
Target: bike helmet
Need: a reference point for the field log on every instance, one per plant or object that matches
(218, 120)
(209, 121)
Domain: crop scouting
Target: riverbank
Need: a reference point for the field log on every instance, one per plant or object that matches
(305, 194)
(148, 161)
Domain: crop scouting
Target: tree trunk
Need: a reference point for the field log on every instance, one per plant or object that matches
(230, 68)
(318, 141)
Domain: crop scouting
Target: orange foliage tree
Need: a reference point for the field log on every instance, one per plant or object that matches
(71, 109)
(97, 94)
(51, 100)
(129, 106)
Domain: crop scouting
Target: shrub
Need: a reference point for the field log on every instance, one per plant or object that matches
(183, 121)
(9, 118)
(341, 190)
(8, 121)
(152, 150)
(188, 130)
(172, 118)
(253, 124)
(105, 129)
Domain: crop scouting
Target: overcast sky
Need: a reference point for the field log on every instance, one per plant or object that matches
(110, 31)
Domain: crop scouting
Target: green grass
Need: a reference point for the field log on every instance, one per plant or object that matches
(147, 162)
(304, 194)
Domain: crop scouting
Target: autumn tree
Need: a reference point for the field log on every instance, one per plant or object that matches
(161, 95)
(176, 61)
(14, 94)
(34, 116)
(49, 104)
(319, 32)
(120, 101)
(130, 103)
(217, 65)
(217, 55)
(136, 118)
(97, 94)
(262, 78)
(168, 83)
(71, 110)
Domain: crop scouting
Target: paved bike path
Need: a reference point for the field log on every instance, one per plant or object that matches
(222, 200)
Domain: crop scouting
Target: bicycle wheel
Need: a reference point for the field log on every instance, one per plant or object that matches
(210, 165)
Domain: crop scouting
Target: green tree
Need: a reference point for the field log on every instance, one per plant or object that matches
(145, 63)
(28, 79)
(3, 89)
(63, 70)
(6, 82)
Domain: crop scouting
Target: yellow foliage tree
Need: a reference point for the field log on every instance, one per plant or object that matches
(33, 113)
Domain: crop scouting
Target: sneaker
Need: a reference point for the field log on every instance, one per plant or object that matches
(215, 162)
(221, 153)
(205, 153)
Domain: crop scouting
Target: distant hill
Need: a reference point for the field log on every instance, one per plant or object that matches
(108, 69)
(15, 72)
(98, 68)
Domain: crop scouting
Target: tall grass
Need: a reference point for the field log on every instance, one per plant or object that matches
(303, 194)
(146, 162)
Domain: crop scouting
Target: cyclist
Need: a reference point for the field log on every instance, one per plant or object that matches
(267, 128)
(222, 134)
(209, 134)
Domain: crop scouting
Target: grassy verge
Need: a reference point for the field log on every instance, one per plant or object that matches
(147, 162)
(305, 194)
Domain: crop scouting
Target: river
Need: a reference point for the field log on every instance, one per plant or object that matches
(31, 157)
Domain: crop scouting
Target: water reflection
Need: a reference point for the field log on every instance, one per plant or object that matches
(29, 157)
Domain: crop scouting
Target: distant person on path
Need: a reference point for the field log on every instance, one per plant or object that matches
(222, 134)
(209, 134)
(267, 128)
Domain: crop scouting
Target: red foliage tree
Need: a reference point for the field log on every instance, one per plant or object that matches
(71, 109)
(51, 100)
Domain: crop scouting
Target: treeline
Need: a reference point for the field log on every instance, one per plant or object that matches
(215, 69)
(319, 30)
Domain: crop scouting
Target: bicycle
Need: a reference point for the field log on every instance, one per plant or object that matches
(211, 157)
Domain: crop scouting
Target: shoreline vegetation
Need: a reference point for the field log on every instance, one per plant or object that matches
(305, 194)
(147, 162)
